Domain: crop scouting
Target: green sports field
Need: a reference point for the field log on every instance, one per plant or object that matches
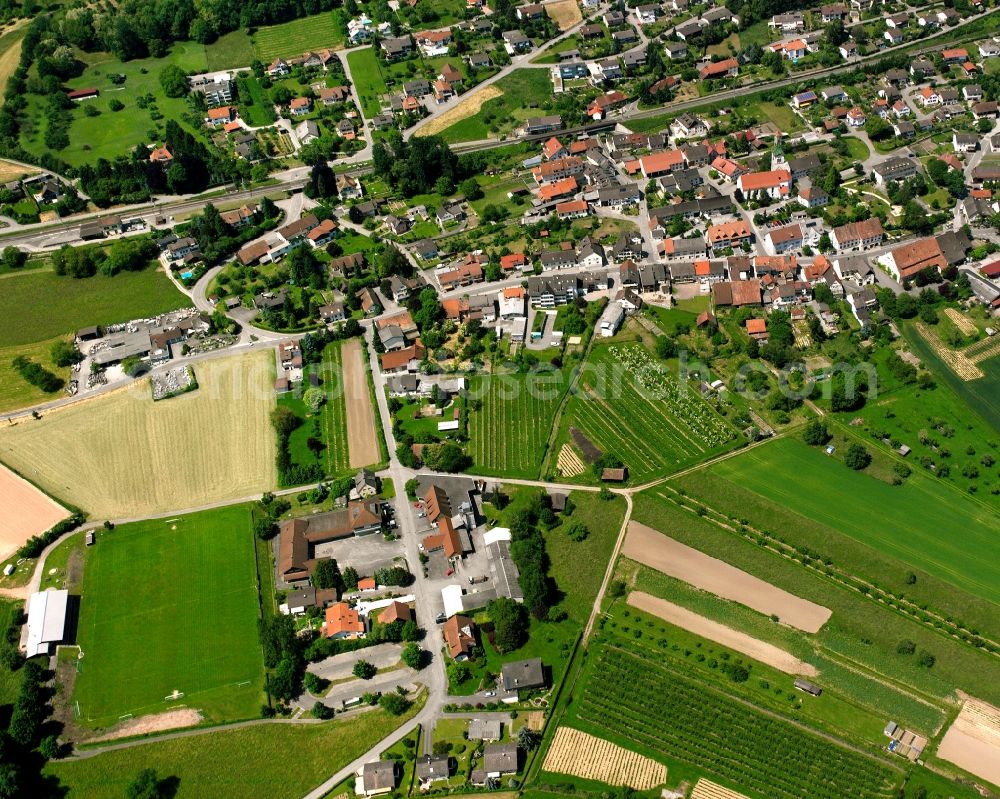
(922, 522)
(171, 605)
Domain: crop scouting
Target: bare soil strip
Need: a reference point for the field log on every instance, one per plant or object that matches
(362, 443)
(721, 634)
(155, 722)
(973, 741)
(709, 790)
(467, 108)
(26, 512)
(565, 13)
(654, 549)
(582, 755)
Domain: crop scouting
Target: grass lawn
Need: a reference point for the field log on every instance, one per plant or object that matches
(114, 133)
(37, 306)
(526, 92)
(206, 765)
(232, 50)
(991, 66)
(15, 391)
(922, 522)
(509, 433)
(189, 624)
(366, 70)
(293, 38)
(10, 681)
(982, 395)
(578, 566)
(255, 107)
(857, 149)
(758, 33)
(328, 426)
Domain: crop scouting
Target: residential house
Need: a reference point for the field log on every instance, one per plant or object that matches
(460, 637)
(858, 235)
(378, 777)
(726, 68)
(895, 169)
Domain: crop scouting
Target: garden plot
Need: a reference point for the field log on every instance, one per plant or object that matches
(638, 698)
(958, 362)
(652, 548)
(582, 755)
(651, 420)
(973, 741)
(509, 432)
(962, 322)
(721, 634)
(709, 790)
(569, 462)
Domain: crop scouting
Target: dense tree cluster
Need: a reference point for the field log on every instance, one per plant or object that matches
(416, 166)
(218, 239)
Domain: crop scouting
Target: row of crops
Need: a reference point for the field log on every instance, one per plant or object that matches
(510, 429)
(633, 696)
(701, 421)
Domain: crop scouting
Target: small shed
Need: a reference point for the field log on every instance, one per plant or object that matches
(808, 687)
(614, 475)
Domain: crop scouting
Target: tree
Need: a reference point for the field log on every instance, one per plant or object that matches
(471, 189)
(265, 529)
(174, 81)
(527, 738)
(145, 785)
(577, 530)
(364, 670)
(665, 348)
(510, 623)
(926, 660)
(327, 574)
(413, 656)
(395, 704)
(65, 354)
(857, 457)
(13, 258)
(816, 433)
(350, 578)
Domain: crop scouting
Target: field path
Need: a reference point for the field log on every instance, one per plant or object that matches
(362, 442)
(721, 634)
(658, 551)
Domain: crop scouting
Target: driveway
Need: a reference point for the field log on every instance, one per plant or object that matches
(338, 667)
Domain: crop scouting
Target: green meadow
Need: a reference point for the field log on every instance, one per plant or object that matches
(171, 605)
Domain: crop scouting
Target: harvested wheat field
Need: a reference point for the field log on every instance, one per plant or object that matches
(721, 634)
(973, 741)
(362, 442)
(468, 107)
(565, 13)
(569, 462)
(709, 790)
(8, 169)
(582, 755)
(124, 456)
(652, 548)
(26, 512)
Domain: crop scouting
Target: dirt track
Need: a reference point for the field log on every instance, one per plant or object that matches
(26, 512)
(727, 636)
(362, 443)
(654, 549)
(973, 741)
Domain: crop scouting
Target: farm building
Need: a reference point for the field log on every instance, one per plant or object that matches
(613, 475)
(46, 621)
(808, 687)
